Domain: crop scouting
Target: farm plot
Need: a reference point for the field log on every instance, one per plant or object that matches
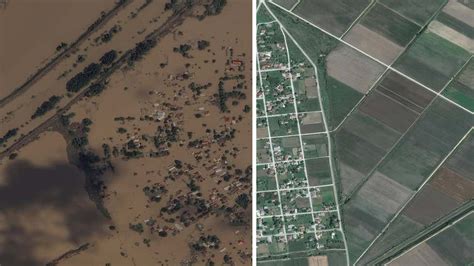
(263, 16)
(291, 174)
(268, 204)
(353, 68)
(319, 172)
(262, 128)
(432, 60)
(311, 122)
(461, 161)
(461, 89)
(295, 201)
(452, 246)
(287, 4)
(382, 33)
(300, 223)
(323, 199)
(263, 151)
(278, 93)
(360, 143)
(443, 193)
(426, 144)
(419, 11)
(266, 177)
(287, 148)
(449, 28)
(283, 125)
(400, 229)
(271, 49)
(315, 145)
(334, 16)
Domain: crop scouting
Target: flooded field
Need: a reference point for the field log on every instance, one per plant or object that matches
(164, 150)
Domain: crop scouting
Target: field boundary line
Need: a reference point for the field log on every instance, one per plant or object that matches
(364, 11)
(295, 5)
(373, 58)
(431, 236)
(416, 193)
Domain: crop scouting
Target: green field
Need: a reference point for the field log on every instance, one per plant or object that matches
(287, 4)
(334, 16)
(315, 145)
(418, 10)
(269, 203)
(432, 60)
(391, 25)
(263, 16)
(283, 125)
(426, 144)
(461, 89)
(319, 172)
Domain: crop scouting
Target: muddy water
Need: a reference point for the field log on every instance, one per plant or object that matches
(44, 210)
(30, 30)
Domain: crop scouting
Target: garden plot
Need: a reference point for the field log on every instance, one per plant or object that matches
(271, 47)
(315, 145)
(260, 108)
(432, 60)
(287, 148)
(278, 93)
(300, 223)
(418, 11)
(271, 246)
(353, 68)
(295, 201)
(461, 89)
(334, 16)
(302, 242)
(266, 177)
(326, 220)
(268, 204)
(270, 226)
(329, 240)
(427, 143)
(262, 128)
(291, 174)
(263, 151)
(306, 90)
(319, 171)
(323, 199)
(382, 33)
(283, 125)
(311, 122)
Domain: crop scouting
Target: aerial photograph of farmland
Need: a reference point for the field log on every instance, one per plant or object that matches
(364, 132)
(125, 132)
